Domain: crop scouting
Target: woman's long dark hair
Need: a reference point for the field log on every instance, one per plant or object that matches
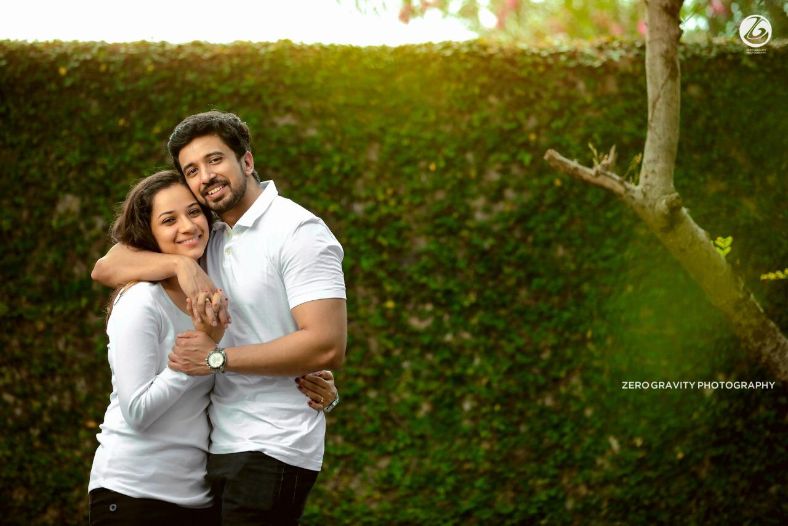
(132, 225)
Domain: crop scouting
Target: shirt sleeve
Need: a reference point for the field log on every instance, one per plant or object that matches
(312, 264)
(145, 389)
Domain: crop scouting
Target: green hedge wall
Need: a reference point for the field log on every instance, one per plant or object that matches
(494, 306)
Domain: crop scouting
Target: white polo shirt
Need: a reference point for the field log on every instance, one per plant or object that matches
(276, 257)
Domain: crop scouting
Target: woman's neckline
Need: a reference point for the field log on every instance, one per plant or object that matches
(174, 293)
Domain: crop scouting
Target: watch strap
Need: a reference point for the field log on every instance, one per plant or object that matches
(330, 407)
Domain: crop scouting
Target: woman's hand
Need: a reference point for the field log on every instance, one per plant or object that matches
(201, 323)
(319, 388)
(196, 284)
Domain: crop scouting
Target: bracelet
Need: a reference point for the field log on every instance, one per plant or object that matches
(330, 407)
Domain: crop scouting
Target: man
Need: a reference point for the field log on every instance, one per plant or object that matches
(282, 269)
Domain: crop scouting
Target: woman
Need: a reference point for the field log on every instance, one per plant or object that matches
(150, 465)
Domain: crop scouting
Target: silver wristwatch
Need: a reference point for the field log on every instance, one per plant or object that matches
(216, 360)
(330, 407)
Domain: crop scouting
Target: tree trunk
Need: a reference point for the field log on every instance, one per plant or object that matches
(658, 204)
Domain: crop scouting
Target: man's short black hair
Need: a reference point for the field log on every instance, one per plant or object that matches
(227, 126)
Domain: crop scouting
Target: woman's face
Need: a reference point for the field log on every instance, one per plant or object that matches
(177, 222)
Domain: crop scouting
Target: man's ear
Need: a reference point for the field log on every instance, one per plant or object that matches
(248, 163)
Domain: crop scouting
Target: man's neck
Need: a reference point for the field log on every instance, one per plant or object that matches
(232, 216)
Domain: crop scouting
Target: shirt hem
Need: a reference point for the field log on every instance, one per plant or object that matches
(288, 458)
(124, 490)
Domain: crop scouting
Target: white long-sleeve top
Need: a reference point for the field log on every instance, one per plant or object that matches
(154, 439)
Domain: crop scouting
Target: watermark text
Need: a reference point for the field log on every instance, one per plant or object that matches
(697, 384)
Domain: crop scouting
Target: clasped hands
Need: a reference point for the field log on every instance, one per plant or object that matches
(210, 315)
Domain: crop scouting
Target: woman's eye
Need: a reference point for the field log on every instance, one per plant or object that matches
(195, 211)
(216, 160)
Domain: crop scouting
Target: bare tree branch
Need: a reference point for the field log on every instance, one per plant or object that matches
(596, 177)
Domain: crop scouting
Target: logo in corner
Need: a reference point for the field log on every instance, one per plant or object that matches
(755, 31)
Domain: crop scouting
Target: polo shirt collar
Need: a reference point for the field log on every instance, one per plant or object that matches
(257, 209)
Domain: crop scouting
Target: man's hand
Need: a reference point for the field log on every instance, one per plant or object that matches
(189, 353)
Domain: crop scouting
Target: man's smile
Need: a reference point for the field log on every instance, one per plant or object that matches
(215, 190)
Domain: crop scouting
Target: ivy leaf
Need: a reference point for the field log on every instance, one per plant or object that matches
(723, 245)
(724, 242)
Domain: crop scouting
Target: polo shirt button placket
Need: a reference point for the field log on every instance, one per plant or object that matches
(227, 249)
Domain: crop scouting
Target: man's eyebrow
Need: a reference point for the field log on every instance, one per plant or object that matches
(209, 154)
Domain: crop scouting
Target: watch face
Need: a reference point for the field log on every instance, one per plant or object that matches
(215, 359)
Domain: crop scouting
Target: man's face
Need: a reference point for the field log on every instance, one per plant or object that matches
(214, 174)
